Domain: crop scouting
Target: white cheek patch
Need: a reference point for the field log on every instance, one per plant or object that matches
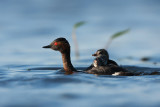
(95, 63)
(116, 74)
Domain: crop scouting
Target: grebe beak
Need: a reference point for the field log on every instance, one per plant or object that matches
(48, 46)
(94, 54)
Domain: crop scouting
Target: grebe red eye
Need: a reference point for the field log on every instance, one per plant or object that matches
(55, 43)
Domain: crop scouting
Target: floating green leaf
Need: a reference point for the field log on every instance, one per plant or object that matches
(79, 24)
(119, 34)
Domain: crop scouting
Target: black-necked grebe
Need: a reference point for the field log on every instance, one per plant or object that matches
(102, 59)
(103, 56)
(102, 65)
(63, 46)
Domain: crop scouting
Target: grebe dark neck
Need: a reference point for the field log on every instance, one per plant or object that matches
(67, 65)
(63, 46)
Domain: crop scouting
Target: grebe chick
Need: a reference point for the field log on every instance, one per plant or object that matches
(63, 46)
(102, 59)
(103, 54)
(102, 65)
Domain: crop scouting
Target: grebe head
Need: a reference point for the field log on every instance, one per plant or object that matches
(59, 44)
(101, 52)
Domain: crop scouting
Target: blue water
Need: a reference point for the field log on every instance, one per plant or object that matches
(27, 25)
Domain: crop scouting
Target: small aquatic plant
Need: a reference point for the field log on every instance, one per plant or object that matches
(74, 37)
(118, 34)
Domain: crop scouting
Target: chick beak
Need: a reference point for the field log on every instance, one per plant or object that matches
(48, 46)
(94, 54)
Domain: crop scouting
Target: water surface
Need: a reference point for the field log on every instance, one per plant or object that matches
(26, 26)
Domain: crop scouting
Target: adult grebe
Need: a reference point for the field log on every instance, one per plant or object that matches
(63, 46)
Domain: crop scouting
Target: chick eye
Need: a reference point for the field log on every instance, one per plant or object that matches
(55, 43)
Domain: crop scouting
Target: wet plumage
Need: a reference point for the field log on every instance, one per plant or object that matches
(102, 65)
